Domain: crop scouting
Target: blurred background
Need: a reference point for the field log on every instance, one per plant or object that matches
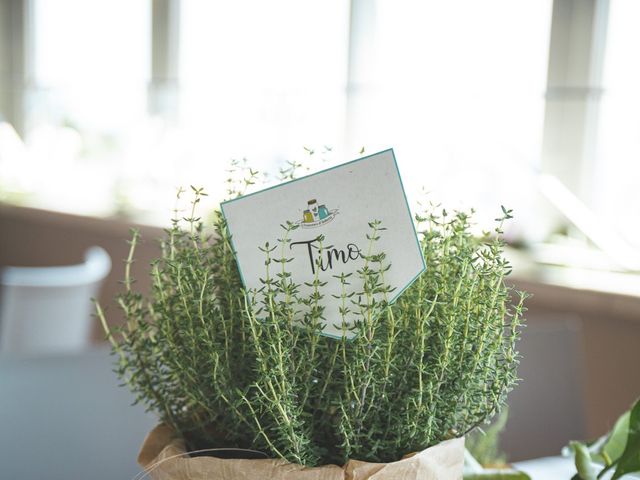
(106, 107)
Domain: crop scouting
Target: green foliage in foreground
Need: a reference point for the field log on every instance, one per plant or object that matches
(484, 444)
(434, 365)
(483, 459)
(619, 450)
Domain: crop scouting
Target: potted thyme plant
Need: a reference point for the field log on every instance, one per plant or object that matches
(417, 373)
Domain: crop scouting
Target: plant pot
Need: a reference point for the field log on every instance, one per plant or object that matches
(164, 457)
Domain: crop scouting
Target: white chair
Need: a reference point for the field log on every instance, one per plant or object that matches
(48, 309)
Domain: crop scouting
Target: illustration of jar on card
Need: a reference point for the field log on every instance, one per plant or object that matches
(313, 208)
(307, 217)
(316, 215)
(323, 212)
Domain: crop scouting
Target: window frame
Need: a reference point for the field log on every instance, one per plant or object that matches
(574, 89)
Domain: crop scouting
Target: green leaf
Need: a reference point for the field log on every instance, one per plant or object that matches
(583, 460)
(630, 459)
(615, 444)
(607, 449)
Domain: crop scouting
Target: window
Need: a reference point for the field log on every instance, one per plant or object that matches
(617, 168)
(86, 102)
(457, 87)
(458, 90)
(261, 80)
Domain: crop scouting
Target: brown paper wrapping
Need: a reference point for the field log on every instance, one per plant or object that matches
(164, 457)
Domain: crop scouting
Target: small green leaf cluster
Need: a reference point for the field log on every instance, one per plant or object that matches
(251, 369)
(617, 451)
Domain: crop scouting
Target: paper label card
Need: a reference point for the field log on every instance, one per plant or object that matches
(332, 208)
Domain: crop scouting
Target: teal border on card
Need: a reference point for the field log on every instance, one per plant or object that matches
(406, 202)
